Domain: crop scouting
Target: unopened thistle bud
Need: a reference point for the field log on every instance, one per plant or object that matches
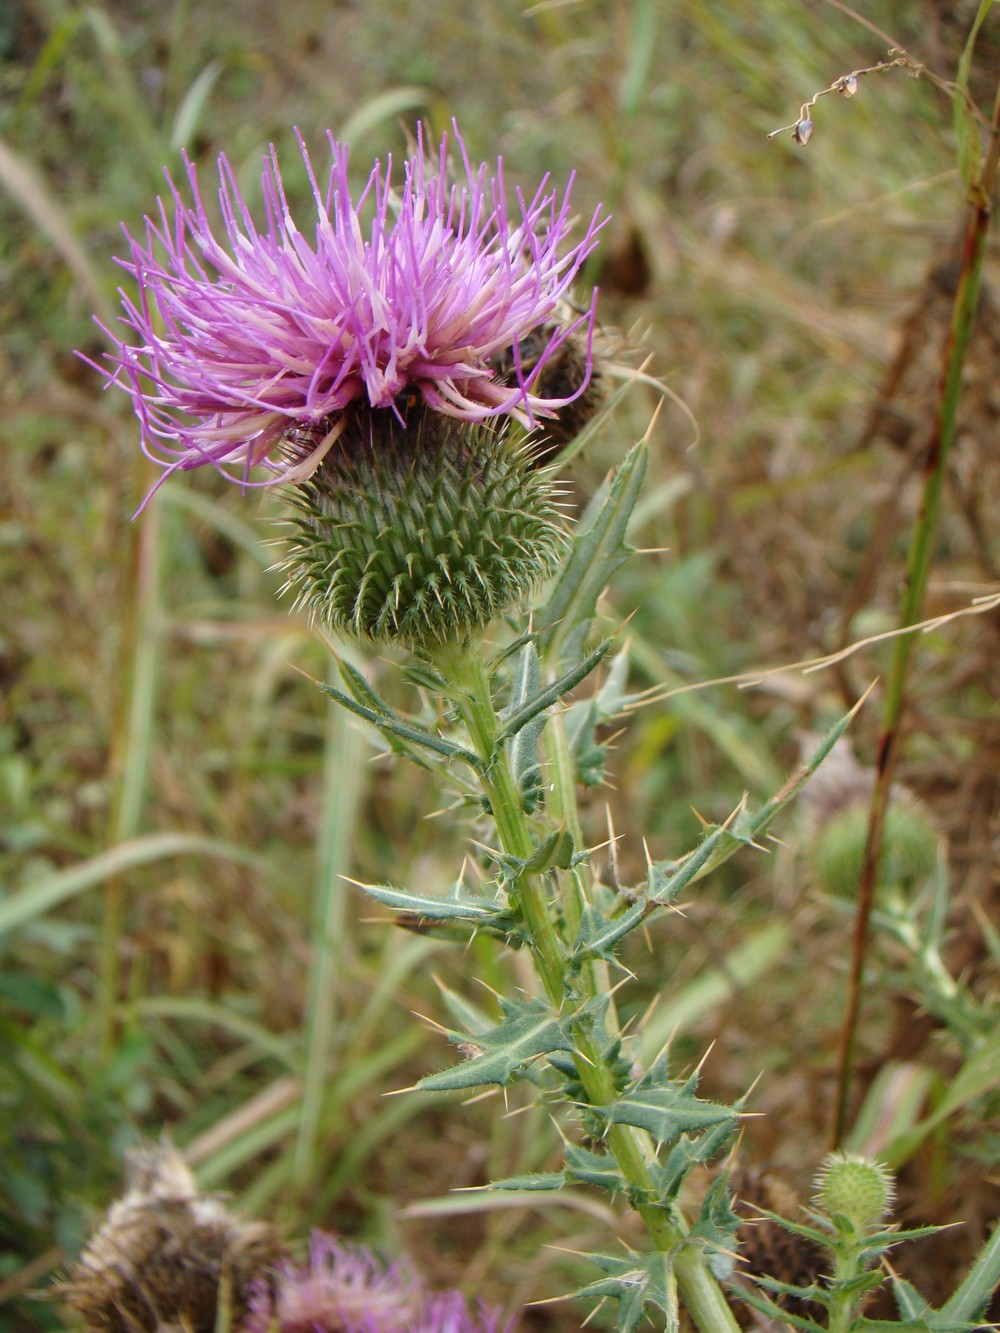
(909, 848)
(166, 1256)
(836, 805)
(420, 531)
(857, 1188)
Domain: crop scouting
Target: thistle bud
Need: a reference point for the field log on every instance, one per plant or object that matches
(857, 1188)
(909, 848)
(421, 531)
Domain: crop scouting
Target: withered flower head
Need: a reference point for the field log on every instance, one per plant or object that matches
(166, 1257)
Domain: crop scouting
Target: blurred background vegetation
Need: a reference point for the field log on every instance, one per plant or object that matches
(178, 799)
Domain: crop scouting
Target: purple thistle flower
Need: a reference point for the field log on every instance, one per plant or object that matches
(344, 1289)
(265, 337)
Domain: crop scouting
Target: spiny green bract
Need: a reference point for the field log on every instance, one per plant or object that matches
(421, 532)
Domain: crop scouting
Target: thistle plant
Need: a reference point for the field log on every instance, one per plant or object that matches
(390, 381)
(850, 1220)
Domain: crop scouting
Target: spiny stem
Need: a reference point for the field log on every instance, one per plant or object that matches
(463, 667)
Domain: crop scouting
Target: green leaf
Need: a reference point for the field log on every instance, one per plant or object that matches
(544, 699)
(538, 1180)
(554, 852)
(599, 549)
(716, 1225)
(425, 678)
(594, 1168)
(665, 1109)
(636, 1281)
(529, 1030)
(665, 879)
(458, 906)
(909, 1302)
(524, 745)
(395, 728)
(766, 1306)
(687, 1153)
(598, 936)
(796, 1228)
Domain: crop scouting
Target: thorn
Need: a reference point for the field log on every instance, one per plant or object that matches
(480, 1097)
(704, 1059)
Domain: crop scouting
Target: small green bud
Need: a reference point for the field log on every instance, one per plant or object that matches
(421, 532)
(909, 847)
(857, 1188)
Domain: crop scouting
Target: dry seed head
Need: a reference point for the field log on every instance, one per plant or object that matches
(165, 1256)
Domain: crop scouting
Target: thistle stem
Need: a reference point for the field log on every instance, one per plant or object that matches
(465, 671)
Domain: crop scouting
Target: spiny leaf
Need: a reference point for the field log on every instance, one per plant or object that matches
(524, 745)
(594, 1168)
(529, 1029)
(538, 1180)
(774, 1311)
(665, 1109)
(458, 906)
(598, 936)
(554, 852)
(687, 1153)
(393, 727)
(665, 879)
(545, 698)
(598, 550)
(635, 1281)
(716, 1225)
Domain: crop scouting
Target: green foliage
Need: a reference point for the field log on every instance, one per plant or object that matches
(529, 1029)
(636, 1282)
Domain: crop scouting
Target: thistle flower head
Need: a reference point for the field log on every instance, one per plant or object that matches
(421, 532)
(344, 1288)
(415, 287)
